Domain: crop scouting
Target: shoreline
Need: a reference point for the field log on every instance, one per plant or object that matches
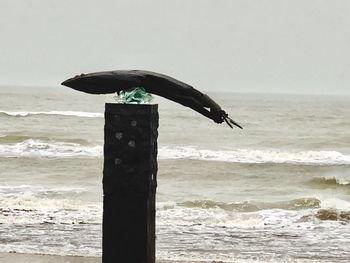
(41, 258)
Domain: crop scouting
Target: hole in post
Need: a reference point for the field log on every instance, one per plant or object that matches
(119, 135)
(117, 161)
(133, 123)
(131, 143)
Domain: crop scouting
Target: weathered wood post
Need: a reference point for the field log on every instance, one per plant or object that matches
(129, 183)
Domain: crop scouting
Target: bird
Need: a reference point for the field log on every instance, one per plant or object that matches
(155, 83)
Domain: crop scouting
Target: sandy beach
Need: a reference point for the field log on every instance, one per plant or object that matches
(34, 258)
(19, 258)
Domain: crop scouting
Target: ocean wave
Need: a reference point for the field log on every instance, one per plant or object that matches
(256, 156)
(335, 203)
(32, 224)
(296, 204)
(18, 137)
(13, 190)
(324, 182)
(25, 215)
(65, 149)
(63, 113)
(41, 149)
(333, 215)
(294, 213)
(30, 206)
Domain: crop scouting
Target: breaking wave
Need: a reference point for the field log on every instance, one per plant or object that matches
(297, 204)
(63, 113)
(18, 137)
(27, 208)
(256, 156)
(333, 215)
(42, 149)
(329, 181)
(26, 213)
(28, 204)
(65, 149)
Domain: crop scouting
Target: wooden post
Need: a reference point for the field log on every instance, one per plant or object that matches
(129, 183)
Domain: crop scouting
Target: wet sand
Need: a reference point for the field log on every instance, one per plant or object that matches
(34, 258)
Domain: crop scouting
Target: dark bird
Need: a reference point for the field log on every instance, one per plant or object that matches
(155, 83)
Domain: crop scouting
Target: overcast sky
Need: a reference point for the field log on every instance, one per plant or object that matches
(295, 46)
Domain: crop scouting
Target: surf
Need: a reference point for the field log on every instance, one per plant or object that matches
(82, 114)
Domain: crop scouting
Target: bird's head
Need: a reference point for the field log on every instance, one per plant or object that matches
(101, 82)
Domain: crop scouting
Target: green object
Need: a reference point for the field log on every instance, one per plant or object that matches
(134, 95)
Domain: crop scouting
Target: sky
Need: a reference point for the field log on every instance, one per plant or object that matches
(265, 46)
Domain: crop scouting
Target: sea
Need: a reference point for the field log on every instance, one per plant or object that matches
(276, 191)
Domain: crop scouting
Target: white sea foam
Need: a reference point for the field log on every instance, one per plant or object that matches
(57, 149)
(177, 215)
(256, 156)
(41, 149)
(63, 113)
(31, 224)
(336, 203)
(14, 190)
(27, 208)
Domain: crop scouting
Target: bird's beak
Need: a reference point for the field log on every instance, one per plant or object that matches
(65, 83)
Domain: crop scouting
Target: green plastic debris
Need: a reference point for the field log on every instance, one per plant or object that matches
(134, 95)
